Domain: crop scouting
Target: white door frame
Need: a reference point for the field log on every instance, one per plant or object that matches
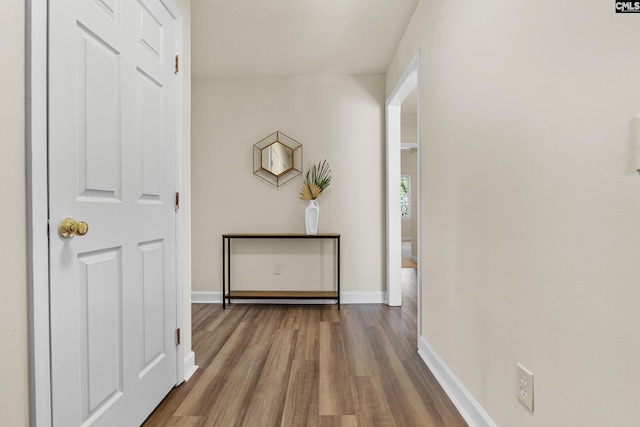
(38, 203)
(406, 84)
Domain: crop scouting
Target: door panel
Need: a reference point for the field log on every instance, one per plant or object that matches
(150, 101)
(100, 308)
(112, 145)
(110, 7)
(153, 315)
(99, 132)
(150, 31)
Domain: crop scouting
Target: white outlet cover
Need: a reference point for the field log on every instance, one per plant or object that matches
(524, 386)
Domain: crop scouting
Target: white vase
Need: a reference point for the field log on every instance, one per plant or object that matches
(311, 216)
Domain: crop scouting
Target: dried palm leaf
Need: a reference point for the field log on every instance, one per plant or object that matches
(309, 191)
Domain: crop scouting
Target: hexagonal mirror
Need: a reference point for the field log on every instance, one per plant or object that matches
(277, 159)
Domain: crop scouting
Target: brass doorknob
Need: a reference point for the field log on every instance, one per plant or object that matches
(69, 227)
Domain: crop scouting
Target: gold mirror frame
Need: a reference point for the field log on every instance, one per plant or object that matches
(277, 159)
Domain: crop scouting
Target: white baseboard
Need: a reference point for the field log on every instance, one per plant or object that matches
(206, 297)
(362, 297)
(407, 239)
(414, 259)
(463, 400)
(190, 366)
(345, 298)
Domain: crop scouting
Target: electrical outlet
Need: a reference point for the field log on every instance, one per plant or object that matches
(277, 268)
(525, 386)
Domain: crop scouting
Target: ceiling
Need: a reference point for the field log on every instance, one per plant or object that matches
(296, 37)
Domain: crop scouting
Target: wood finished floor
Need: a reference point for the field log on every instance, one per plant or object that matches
(268, 365)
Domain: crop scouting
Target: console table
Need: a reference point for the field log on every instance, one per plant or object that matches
(227, 293)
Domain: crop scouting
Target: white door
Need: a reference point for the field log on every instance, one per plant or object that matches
(112, 145)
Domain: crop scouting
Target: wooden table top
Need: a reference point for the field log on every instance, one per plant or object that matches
(280, 235)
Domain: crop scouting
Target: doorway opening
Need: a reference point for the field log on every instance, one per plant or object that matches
(403, 98)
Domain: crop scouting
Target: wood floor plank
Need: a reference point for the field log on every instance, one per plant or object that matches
(268, 397)
(214, 332)
(372, 407)
(292, 318)
(403, 399)
(186, 422)
(198, 314)
(432, 394)
(170, 404)
(230, 393)
(340, 421)
(336, 394)
(360, 357)
(330, 313)
(308, 344)
(235, 363)
(302, 404)
(391, 322)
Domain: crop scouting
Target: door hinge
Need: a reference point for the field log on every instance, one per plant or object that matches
(177, 200)
(177, 65)
(178, 336)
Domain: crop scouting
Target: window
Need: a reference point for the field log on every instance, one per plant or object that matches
(405, 196)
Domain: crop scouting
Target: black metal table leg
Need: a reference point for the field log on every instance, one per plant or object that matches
(229, 268)
(338, 262)
(223, 272)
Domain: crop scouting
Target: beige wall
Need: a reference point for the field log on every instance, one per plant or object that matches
(531, 203)
(338, 118)
(409, 130)
(14, 399)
